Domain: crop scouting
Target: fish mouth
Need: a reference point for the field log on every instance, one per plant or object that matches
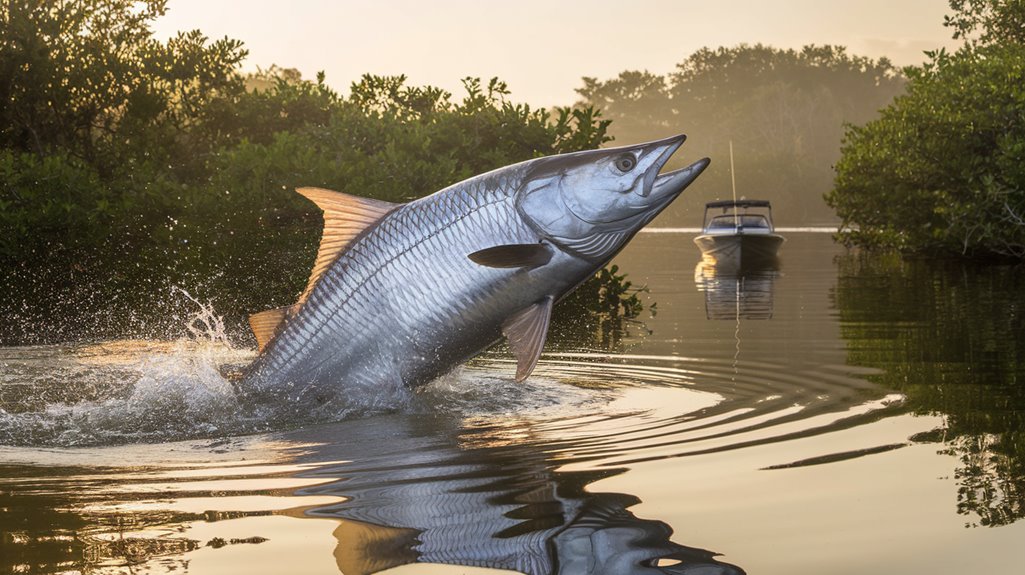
(659, 190)
(661, 186)
(658, 154)
(667, 186)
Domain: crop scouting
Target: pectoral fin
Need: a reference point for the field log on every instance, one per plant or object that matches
(513, 256)
(526, 331)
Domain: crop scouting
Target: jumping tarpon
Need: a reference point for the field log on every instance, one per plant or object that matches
(400, 294)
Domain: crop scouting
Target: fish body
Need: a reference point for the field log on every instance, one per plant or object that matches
(404, 293)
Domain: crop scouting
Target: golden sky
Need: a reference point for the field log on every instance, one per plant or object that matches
(543, 48)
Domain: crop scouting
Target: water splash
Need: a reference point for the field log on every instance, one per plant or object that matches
(117, 392)
(140, 390)
(205, 324)
(124, 391)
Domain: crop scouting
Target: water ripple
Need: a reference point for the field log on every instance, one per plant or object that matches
(630, 407)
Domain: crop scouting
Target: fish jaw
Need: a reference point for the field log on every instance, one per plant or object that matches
(658, 153)
(666, 187)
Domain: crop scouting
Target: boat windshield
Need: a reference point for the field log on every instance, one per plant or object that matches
(744, 221)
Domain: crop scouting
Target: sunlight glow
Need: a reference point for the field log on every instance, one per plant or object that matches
(542, 49)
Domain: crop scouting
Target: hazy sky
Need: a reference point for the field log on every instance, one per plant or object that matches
(543, 48)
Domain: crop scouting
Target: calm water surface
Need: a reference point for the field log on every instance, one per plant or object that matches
(839, 414)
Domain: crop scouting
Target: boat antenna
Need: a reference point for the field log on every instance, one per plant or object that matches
(733, 180)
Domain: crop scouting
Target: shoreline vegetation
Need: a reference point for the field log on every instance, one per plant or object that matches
(941, 171)
(130, 166)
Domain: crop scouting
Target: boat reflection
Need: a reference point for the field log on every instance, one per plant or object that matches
(485, 497)
(733, 293)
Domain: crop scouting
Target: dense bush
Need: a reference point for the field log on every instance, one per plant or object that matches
(942, 169)
(49, 199)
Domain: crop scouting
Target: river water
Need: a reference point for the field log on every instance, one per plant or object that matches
(839, 413)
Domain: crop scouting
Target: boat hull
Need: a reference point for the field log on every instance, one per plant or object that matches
(739, 250)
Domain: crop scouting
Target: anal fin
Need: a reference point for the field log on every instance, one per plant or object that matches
(526, 331)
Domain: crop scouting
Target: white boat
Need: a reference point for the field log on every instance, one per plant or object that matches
(739, 233)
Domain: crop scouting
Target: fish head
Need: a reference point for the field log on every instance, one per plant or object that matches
(592, 202)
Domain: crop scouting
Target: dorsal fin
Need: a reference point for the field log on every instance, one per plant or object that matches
(265, 324)
(345, 217)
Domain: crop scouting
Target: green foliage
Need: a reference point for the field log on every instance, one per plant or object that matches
(60, 76)
(783, 109)
(941, 169)
(87, 79)
(987, 21)
(50, 203)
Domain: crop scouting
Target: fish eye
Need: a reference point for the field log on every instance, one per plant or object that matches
(625, 163)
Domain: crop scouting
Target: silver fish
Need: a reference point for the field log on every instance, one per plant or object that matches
(401, 294)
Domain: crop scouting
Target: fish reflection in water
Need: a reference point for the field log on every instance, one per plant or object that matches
(485, 497)
(737, 293)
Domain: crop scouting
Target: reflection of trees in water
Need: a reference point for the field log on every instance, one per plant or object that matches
(52, 531)
(992, 481)
(950, 337)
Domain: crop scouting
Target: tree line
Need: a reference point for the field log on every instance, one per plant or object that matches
(951, 343)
